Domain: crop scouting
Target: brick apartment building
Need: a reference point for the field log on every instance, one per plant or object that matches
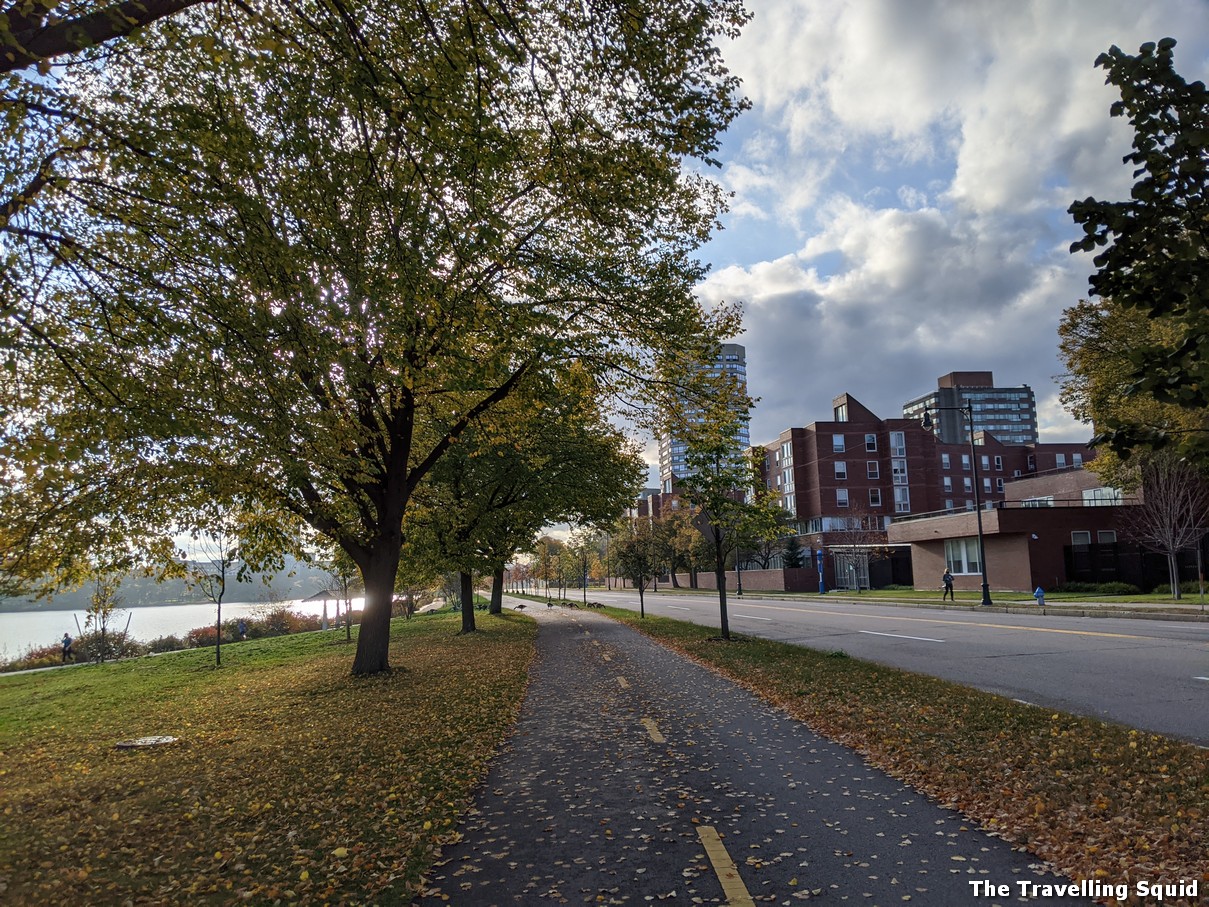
(846, 479)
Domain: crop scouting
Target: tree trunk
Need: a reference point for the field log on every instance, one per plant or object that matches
(641, 601)
(1173, 573)
(466, 582)
(497, 592)
(675, 581)
(373, 640)
(720, 576)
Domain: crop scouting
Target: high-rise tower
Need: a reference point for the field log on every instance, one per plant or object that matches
(1008, 413)
(731, 359)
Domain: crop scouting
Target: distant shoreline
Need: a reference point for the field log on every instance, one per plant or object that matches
(34, 607)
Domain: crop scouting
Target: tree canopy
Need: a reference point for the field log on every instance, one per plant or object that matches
(363, 227)
(1153, 248)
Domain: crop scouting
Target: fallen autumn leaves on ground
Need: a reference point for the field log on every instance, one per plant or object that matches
(290, 780)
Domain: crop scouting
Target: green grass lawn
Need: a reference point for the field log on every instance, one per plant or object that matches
(1099, 801)
(290, 779)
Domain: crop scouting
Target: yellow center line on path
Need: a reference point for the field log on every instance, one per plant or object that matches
(653, 729)
(724, 867)
(958, 623)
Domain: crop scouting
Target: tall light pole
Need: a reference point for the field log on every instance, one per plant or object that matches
(968, 412)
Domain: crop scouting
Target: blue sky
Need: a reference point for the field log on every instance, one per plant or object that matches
(900, 188)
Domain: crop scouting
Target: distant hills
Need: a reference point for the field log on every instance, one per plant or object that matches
(298, 580)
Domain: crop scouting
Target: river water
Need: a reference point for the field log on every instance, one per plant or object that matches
(21, 629)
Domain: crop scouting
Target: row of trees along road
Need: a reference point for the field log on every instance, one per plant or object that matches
(288, 257)
(1136, 356)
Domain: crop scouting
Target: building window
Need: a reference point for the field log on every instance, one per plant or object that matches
(870, 443)
(948, 503)
(944, 461)
(961, 555)
(841, 497)
(875, 497)
(1102, 497)
(841, 413)
(902, 499)
(999, 486)
(1061, 460)
(841, 469)
(986, 486)
(837, 443)
(986, 463)
(948, 486)
(1077, 460)
(1080, 538)
(898, 444)
(965, 462)
(898, 469)
(872, 470)
(1040, 501)
(967, 485)
(999, 464)
(1106, 537)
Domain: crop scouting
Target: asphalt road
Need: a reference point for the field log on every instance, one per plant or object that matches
(1148, 674)
(635, 776)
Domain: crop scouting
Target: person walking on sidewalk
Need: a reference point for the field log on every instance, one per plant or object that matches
(947, 579)
(68, 651)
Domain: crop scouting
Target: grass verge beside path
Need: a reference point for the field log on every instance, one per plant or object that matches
(1096, 800)
(291, 780)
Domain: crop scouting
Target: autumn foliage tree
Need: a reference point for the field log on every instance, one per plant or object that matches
(536, 459)
(1152, 250)
(635, 553)
(363, 228)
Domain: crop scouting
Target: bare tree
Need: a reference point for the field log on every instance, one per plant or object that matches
(862, 540)
(1173, 514)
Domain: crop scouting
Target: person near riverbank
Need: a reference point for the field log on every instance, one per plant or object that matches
(68, 651)
(243, 629)
(947, 579)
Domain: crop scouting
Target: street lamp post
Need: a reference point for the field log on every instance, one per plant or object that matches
(968, 412)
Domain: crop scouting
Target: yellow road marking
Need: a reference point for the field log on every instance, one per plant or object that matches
(958, 623)
(724, 867)
(653, 729)
(623, 683)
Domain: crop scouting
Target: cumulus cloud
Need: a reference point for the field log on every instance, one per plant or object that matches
(921, 156)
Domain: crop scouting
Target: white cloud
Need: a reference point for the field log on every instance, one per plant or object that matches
(922, 155)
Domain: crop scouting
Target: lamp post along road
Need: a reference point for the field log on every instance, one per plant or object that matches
(968, 412)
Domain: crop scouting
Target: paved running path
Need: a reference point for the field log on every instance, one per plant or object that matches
(634, 776)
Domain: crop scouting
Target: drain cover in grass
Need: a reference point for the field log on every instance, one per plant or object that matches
(145, 741)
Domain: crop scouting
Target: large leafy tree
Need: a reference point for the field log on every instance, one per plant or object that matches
(363, 228)
(1097, 343)
(1153, 249)
(536, 459)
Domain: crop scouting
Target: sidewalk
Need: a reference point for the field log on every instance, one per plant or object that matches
(1004, 602)
(636, 776)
